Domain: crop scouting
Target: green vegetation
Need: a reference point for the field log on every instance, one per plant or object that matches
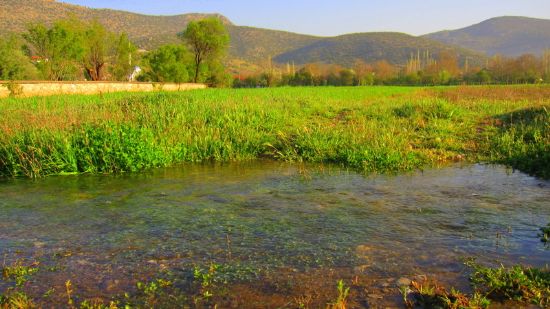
(74, 50)
(369, 129)
(14, 64)
(517, 283)
(18, 272)
(432, 295)
(523, 140)
(148, 32)
(208, 40)
(342, 299)
(169, 63)
(545, 234)
(16, 300)
(522, 284)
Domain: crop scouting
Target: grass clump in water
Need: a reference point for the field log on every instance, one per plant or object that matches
(429, 294)
(16, 300)
(19, 273)
(342, 299)
(545, 234)
(518, 283)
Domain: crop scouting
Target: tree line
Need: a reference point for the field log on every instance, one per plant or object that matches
(73, 49)
(443, 68)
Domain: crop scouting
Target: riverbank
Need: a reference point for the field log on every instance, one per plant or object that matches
(370, 129)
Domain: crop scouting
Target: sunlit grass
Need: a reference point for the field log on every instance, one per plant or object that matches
(371, 129)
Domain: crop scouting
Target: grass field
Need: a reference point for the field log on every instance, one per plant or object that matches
(373, 129)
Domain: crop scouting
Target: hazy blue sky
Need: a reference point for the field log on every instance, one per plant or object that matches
(324, 17)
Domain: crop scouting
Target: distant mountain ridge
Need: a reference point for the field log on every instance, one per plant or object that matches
(509, 35)
(394, 47)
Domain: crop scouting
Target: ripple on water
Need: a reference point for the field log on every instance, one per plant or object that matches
(268, 216)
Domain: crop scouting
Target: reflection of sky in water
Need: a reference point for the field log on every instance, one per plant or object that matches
(271, 214)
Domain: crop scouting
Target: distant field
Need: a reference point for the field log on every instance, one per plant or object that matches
(372, 129)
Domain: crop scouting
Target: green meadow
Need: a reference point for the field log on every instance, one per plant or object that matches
(369, 129)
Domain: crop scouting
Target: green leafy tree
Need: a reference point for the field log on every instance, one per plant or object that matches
(14, 64)
(208, 40)
(169, 63)
(97, 49)
(61, 49)
(347, 77)
(125, 58)
(72, 47)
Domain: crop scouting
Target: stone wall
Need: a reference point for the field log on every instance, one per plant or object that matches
(30, 89)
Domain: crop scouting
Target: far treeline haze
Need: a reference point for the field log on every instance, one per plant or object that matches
(74, 48)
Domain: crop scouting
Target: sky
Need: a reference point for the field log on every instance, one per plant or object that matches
(328, 18)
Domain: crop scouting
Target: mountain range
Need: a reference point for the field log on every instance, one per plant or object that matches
(509, 36)
(254, 47)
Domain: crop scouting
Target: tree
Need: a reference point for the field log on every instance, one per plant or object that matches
(14, 64)
(124, 59)
(347, 77)
(208, 40)
(72, 46)
(363, 72)
(169, 63)
(383, 71)
(60, 48)
(97, 46)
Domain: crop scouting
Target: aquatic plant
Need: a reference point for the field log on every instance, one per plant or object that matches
(518, 283)
(429, 294)
(342, 299)
(545, 234)
(18, 272)
(16, 300)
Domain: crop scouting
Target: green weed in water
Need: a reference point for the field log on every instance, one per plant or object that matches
(19, 273)
(16, 300)
(429, 294)
(342, 299)
(545, 234)
(522, 284)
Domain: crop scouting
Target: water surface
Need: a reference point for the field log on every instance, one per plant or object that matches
(269, 222)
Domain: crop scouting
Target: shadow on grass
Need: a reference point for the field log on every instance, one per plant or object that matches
(523, 141)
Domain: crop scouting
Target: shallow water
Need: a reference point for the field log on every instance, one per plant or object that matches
(264, 218)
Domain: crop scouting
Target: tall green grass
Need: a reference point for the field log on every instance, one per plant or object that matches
(377, 129)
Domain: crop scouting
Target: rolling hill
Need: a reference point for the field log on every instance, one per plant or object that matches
(249, 46)
(510, 36)
(394, 47)
(146, 31)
